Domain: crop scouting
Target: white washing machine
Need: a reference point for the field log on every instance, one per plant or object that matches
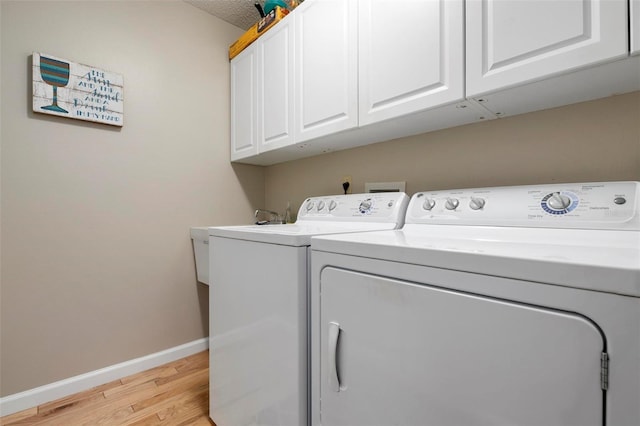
(259, 278)
(494, 306)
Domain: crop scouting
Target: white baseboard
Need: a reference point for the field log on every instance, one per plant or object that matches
(40, 395)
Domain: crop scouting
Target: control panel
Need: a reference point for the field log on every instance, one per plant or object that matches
(377, 207)
(606, 205)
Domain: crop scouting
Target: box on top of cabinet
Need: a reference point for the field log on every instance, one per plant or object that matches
(273, 17)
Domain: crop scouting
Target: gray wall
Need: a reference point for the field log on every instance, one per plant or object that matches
(590, 141)
(97, 264)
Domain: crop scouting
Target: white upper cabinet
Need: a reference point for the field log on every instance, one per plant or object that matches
(275, 86)
(326, 67)
(635, 26)
(244, 105)
(411, 56)
(335, 74)
(509, 43)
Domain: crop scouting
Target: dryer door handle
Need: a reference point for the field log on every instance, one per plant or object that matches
(332, 356)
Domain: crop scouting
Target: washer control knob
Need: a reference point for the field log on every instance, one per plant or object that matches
(476, 203)
(429, 204)
(320, 205)
(451, 204)
(558, 201)
(332, 205)
(309, 205)
(365, 206)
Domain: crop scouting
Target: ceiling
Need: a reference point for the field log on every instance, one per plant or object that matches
(241, 13)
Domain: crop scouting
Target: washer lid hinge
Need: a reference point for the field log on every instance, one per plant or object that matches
(604, 371)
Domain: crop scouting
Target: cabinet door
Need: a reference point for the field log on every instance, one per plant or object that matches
(397, 353)
(326, 67)
(275, 86)
(513, 42)
(244, 105)
(411, 56)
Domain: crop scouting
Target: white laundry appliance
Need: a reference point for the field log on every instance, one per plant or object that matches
(493, 306)
(259, 279)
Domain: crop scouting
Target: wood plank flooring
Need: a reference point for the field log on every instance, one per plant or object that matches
(172, 394)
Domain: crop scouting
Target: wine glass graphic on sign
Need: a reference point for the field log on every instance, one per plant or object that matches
(55, 73)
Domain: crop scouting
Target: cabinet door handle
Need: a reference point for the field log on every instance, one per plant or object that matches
(334, 334)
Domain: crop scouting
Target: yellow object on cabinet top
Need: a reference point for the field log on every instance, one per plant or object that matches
(257, 30)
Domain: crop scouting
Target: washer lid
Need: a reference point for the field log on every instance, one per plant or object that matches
(601, 260)
(295, 234)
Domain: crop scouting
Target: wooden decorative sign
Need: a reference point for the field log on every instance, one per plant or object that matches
(67, 89)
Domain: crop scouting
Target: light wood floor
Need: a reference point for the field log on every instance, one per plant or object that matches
(173, 394)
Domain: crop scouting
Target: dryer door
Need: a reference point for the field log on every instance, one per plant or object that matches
(397, 353)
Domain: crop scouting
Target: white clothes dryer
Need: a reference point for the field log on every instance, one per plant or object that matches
(493, 306)
(259, 279)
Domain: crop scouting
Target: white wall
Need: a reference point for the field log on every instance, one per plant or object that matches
(97, 264)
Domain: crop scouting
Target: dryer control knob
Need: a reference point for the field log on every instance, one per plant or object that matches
(476, 203)
(429, 204)
(320, 205)
(332, 205)
(309, 205)
(558, 201)
(452, 203)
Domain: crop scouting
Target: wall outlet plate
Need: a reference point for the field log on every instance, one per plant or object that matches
(385, 187)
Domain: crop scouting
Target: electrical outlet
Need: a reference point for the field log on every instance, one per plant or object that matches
(346, 179)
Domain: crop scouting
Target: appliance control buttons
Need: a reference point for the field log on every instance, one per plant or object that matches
(619, 200)
(476, 203)
(429, 204)
(365, 206)
(451, 204)
(559, 203)
(332, 205)
(320, 205)
(309, 205)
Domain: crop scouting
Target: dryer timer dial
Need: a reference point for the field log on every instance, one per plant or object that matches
(558, 201)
